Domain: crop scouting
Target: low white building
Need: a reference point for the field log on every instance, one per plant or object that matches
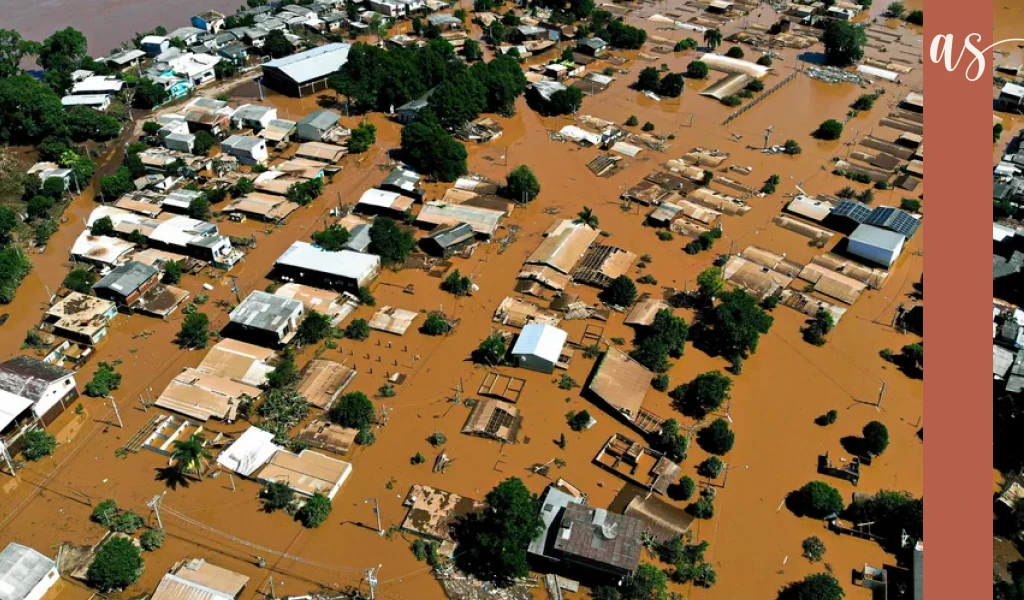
(253, 116)
(341, 271)
(539, 347)
(247, 149)
(25, 573)
(100, 102)
(876, 245)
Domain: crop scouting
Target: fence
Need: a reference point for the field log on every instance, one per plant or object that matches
(767, 93)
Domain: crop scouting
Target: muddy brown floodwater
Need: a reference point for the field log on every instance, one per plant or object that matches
(755, 544)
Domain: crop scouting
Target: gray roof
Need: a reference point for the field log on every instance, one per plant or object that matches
(857, 211)
(595, 42)
(242, 142)
(894, 219)
(321, 119)
(265, 311)
(252, 112)
(359, 239)
(530, 30)
(877, 237)
(184, 32)
(126, 278)
(28, 377)
(21, 570)
(312, 64)
(597, 536)
(1001, 267)
(450, 236)
(297, 9)
(441, 19)
(553, 501)
(209, 103)
(402, 179)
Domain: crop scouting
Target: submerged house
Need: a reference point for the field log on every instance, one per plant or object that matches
(46, 390)
(539, 347)
(267, 319)
(25, 573)
(342, 271)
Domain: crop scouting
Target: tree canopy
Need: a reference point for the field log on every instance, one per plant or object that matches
(354, 410)
(195, 331)
(389, 241)
(521, 184)
(620, 292)
(702, 396)
(314, 328)
(816, 499)
(844, 43)
(493, 542)
(717, 438)
(332, 239)
(432, 150)
(734, 327)
(117, 565)
(818, 586)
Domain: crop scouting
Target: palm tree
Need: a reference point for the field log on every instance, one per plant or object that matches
(191, 453)
(587, 217)
(713, 38)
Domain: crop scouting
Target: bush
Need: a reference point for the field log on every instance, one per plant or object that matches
(710, 467)
(660, 382)
(827, 418)
(358, 329)
(437, 438)
(735, 52)
(315, 511)
(717, 438)
(620, 292)
(105, 512)
(104, 381)
(39, 207)
(732, 101)
(173, 272)
(648, 126)
(829, 130)
(362, 138)
(910, 205)
(686, 488)
(418, 459)
(456, 283)
(195, 331)
(354, 410)
(567, 382)
(117, 565)
(491, 351)
(876, 438)
(764, 60)
(816, 499)
(38, 444)
(697, 70)
(755, 85)
(792, 148)
(665, 236)
(436, 324)
(814, 549)
(152, 539)
(684, 45)
(276, 496)
(127, 522)
(818, 327)
(704, 508)
(864, 102)
(632, 121)
(915, 17)
(578, 421)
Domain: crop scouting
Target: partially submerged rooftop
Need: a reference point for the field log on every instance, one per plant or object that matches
(323, 381)
(621, 382)
(432, 512)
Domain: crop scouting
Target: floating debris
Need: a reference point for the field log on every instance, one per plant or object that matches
(833, 75)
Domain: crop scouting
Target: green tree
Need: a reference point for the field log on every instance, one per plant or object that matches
(818, 328)
(895, 9)
(647, 583)
(649, 80)
(84, 123)
(14, 266)
(876, 438)
(734, 327)
(710, 284)
(315, 511)
(127, 522)
(363, 136)
(149, 95)
(436, 324)
(244, 187)
(819, 586)
(38, 444)
(60, 55)
(702, 396)
(472, 50)
(195, 331)
(671, 441)
(672, 85)
(14, 49)
(199, 208)
(277, 45)
(521, 184)
(493, 542)
(104, 381)
(314, 328)
(117, 564)
(893, 514)
(491, 351)
(844, 43)
(277, 496)
(390, 242)
(735, 52)
(39, 207)
(80, 280)
(456, 283)
(620, 292)
(588, 218)
(578, 421)
(114, 186)
(152, 539)
(717, 438)
(565, 102)
(432, 150)
(105, 512)
(29, 111)
(333, 238)
(204, 143)
(354, 410)
(697, 70)
(173, 271)
(792, 148)
(814, 548)
(764, 60)
(916, 17)
(8, 221)
(710, 467)
(285, 373)
(816, 499)
(191, 453)
(713, 38)
(358, 329)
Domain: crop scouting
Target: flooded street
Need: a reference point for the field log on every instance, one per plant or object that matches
(755, 542)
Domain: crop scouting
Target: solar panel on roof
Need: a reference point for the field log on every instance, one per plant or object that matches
(852, 210)
(893, 219)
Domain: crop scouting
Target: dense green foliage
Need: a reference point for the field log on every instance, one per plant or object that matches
(844, 43)
(117, 565)
(390, 242)
(354, 410)
(104, 381)
(195, 331)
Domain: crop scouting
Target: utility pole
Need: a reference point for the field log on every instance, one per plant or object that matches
(272, 593)
(232, 479)
(881, 394)
(155, 505)
(371, 578)
(117, 413)
(376, 510)
(767, 134)
(7, 459)
(142, 401)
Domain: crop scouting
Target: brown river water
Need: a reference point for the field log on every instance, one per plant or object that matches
(755, 543)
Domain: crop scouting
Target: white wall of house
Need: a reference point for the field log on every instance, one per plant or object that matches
(53, 394)
(44, 585)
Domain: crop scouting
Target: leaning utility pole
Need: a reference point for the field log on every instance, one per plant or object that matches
(371, 578)
(155, 505)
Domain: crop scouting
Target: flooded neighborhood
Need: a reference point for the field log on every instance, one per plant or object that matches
(417, 299)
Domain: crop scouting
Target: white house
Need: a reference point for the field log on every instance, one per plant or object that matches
(539, 347)
(25, 574)
(875, 244)
(98, 84)
(253, 116)
(154, 45)
(48, 170)
(49, 389)
(247, 149)
(100, 102)
(196, 68)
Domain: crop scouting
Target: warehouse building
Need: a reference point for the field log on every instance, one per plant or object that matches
(306, 72)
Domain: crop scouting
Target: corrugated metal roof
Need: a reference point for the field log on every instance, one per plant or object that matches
(21, 570)
(877, 237)
(344, 263)
(543, 341)
(312, 64)
(266, 311)
(127, 278)
(249, 452)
